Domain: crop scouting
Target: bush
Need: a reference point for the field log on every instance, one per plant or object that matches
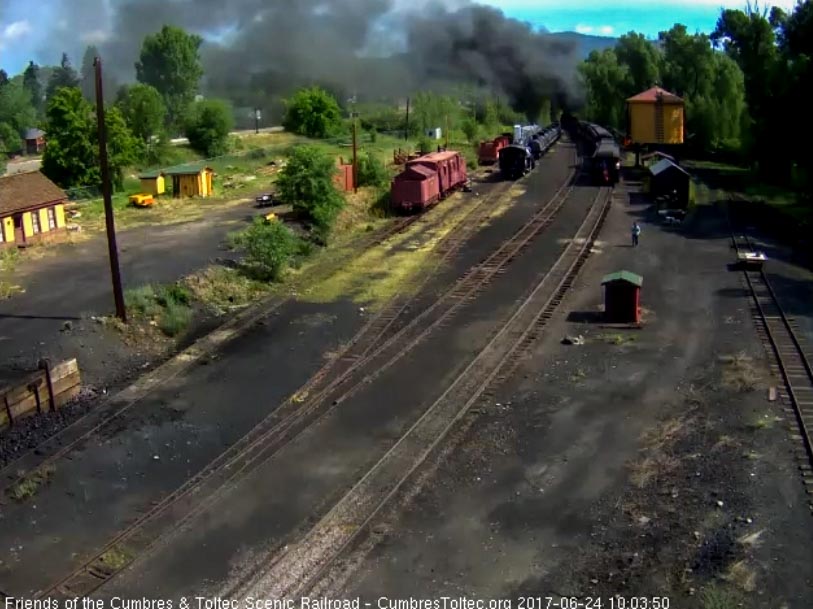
(169, 306)
(371, 171)
(425, 145)
(306, 183)
(208, 125)
(268, 247)
(313, 113)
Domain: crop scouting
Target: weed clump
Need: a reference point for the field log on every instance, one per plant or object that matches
(168, 306)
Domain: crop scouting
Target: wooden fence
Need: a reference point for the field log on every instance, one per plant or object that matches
(45, 390)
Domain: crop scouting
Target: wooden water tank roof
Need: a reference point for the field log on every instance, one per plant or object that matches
(654, 94)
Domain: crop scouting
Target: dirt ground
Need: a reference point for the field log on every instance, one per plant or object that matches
(642, 463)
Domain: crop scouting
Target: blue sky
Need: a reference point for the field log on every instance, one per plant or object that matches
(22, 36)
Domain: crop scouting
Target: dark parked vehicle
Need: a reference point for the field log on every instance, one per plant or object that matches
(266, 200)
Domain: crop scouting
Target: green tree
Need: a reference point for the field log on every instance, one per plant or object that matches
(470, 129)
(307, 184)
(371, 171)
(268, 247)
(313, 112)
(208, 125)
(31, 82)
(607, 83)
(63, 76)
(69, 158)
(16, 108)
(123, 148)
(10, 140)
(3, 78)
(143, 109)
(642, 60)
(170, 62)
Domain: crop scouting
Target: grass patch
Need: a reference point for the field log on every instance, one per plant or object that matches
(224, 289)
(167, 307)
(740, 373)
(618, 339)
(717, 597)
(650, 468)
(759, 422)
(9, 256)
(29, 486)
(116, 558)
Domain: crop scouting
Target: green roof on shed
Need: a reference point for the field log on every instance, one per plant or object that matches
(188, 169)
(623, 276)
(150, 175)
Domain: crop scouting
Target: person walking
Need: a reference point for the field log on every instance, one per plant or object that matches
(636, 233)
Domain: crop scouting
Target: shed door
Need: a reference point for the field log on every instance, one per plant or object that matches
(19, 236)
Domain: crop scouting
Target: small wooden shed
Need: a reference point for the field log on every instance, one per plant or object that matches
(191, 180)
(153, 182)
(668, 179)
(622, 297)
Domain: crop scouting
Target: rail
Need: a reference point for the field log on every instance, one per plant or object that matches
(318, 397)
(790, 357)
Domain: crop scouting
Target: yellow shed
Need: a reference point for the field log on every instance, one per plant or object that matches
(153, 183)
(32, 209)
(656, 116)
(191, 180)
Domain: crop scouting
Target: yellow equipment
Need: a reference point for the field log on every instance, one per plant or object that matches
(142, 200)
(272, 217)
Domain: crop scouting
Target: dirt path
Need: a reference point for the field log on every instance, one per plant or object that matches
(644, 463)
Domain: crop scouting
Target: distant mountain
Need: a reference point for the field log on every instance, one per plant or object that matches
(587, 43)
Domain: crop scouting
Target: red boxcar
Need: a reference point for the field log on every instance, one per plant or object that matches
(415, 188)
(489, 152)
(428, 179)
(450, 167)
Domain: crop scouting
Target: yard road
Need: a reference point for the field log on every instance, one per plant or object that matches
(73, 283)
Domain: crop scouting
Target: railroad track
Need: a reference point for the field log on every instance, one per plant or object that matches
(58, 446)
(778, 334)
(373, 351)
(299, 566)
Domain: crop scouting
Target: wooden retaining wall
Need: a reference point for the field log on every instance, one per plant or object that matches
(46, 390)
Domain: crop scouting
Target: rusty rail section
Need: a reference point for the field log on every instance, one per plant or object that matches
(371, 352)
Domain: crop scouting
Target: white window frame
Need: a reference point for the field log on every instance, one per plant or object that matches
(51, 213)
(36, 227)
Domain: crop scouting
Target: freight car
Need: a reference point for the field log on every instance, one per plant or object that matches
(428, 179)
(489, 152)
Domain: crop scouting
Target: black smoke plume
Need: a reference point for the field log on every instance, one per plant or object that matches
(378, 49)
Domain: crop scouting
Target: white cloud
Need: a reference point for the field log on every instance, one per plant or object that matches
(13, 31)
(584, 29)
(606, 30)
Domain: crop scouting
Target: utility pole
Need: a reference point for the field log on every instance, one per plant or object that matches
(355, 156)
(257, 117)
(447, 132)
(107, 192)
(406, 131)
